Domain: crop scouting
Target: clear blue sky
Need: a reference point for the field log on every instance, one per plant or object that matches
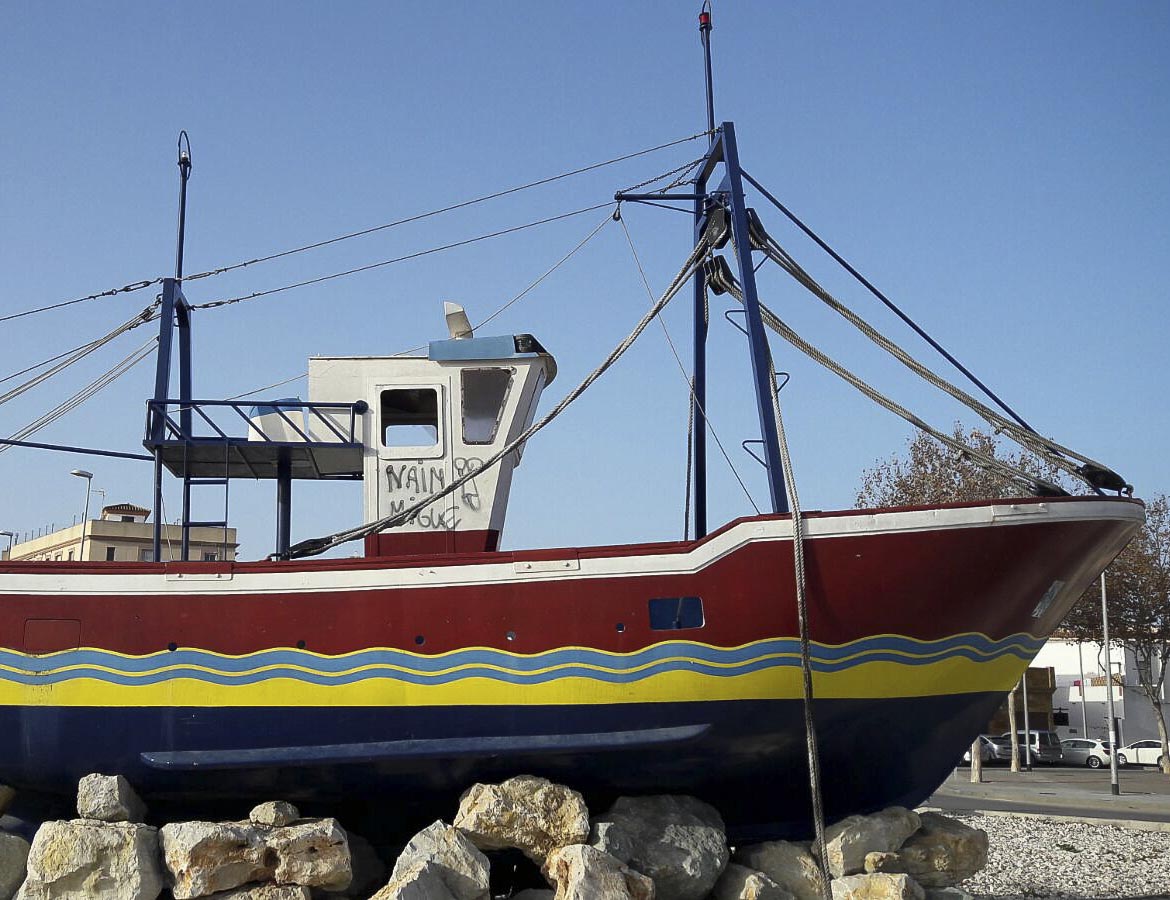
(999, 169)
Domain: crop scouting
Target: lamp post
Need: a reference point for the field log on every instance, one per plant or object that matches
(1114, 781)
(11, 540)
(88, 476)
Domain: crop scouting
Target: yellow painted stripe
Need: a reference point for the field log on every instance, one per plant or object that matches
(875, 680)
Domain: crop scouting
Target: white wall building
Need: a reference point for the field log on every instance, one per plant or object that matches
(1081, 691)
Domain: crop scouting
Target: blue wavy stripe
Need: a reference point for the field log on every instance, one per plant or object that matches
(973, 646)
(514, 678)
(612, 674)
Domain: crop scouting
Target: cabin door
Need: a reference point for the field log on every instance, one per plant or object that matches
(414, 452)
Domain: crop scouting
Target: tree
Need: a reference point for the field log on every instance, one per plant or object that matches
(932, 473)
(1138, 602)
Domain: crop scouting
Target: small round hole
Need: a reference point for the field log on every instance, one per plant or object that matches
(511, 635)
(621, 626)
(172, 646)
(419, 639)
(300, 645)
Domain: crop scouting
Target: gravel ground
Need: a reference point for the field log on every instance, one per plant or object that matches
(1039, 858)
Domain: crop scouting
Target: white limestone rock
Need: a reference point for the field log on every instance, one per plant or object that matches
(790, 865)
(91, 860)
(582, 872)
(942, 853)
(108, 798)
(880, 886)
(207, 857)
(848, 841)
(421, 880)
(741, 883)
(677, 841)
(532, 814)
(312, 852)
(13, 864)
(448, 854)
(274, 813)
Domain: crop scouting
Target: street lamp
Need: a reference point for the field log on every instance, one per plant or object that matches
(88, 476)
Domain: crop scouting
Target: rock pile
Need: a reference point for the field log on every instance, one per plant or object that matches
(642, 848)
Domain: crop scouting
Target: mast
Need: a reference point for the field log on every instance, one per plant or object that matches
(699, 388)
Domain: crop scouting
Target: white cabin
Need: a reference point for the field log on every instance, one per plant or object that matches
(431, 419)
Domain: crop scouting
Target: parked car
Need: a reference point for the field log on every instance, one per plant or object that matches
(1045, 746)
(991, 750)
(1140, 753)
(1085, 752)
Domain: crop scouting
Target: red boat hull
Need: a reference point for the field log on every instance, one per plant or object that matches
(663, 667)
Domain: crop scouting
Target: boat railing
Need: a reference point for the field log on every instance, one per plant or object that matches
(198, 421)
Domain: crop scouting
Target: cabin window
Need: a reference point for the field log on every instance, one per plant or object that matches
(109, 554)
(410, 417)
(484, 394)
(676, 613)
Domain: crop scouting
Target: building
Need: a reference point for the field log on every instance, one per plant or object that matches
(123, 534)
(1042, 715)
(1081, 686)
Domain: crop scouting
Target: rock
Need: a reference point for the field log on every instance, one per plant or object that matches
(6, 796)
(13, 863)
(790, 865)
(206, 857)
(741, 883)
(848, 841)
(265, 892)
(879, 886)
(451, 856)
(582, 872)
(313, 853)
(677, 841)
(532, 814)
(90, 860)
(275, 813)
(884, 862)
(418, 881)
(940, 854)
(108, 798)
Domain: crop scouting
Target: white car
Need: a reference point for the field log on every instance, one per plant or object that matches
(1140, 753)
(1085, 752)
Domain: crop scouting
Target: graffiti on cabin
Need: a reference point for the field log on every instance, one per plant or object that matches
(407, 483)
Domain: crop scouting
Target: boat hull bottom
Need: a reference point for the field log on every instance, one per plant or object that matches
(387, 772)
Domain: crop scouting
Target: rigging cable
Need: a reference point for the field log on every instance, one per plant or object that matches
(70, 357)
(691, 387)
(1091, 472)
(887, 301)
(1033, 483)
(315, 546)
(102, 381)
(461, 205)
(812, 751)
(140, 285)
(532, 286)
(397, 259)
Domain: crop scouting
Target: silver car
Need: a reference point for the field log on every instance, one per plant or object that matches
(1045, 746)
(1085, 752)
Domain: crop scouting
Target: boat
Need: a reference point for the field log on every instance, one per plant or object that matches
(436, 659)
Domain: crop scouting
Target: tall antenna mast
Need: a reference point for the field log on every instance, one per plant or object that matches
(705, 34)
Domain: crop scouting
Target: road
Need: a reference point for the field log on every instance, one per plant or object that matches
(1060, 791)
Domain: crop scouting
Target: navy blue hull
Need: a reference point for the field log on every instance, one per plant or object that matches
(747, 758)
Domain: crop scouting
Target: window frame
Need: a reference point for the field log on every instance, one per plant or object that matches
(511, 372)
(412, 451)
